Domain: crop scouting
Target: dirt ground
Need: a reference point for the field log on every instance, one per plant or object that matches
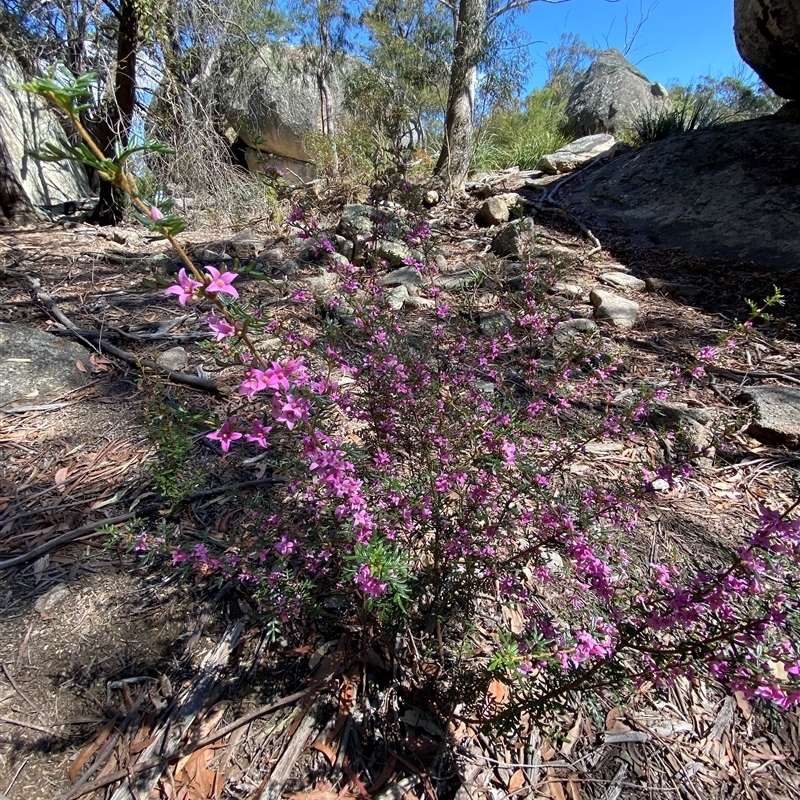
(98, 649)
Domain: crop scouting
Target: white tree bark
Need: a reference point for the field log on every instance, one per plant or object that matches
(453, 165)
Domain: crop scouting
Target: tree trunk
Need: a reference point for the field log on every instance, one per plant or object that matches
(115, 126)
(452, 167)
(15, 208)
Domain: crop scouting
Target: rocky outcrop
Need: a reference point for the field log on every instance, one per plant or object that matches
(777, 415)
(26, 124)
(35, 365)
(730, 192)
(273, 103)
(611, 95)
(768, 38)
(577, 154)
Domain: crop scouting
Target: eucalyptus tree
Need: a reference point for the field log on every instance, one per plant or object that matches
(473, 21)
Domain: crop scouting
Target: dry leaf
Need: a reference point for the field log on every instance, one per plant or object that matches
(195, 776)
(516, 780)
(326, 751)
(572, 736)
(744, 706)
(611, 718)
(90, 749)
(81, 366)
(61, 475)
(497, 692)
(554, 786)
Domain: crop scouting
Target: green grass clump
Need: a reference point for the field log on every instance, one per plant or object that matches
(689, 114)
(520, 137)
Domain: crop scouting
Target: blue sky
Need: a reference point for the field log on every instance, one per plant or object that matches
(683, 39)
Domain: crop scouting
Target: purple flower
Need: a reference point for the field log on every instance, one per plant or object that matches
(221, 282)
(707, 354)
(367, 583)
(185, 288)
(221, 327)
(155, 213)
(290, 410)
(259, 433)
(225, 435)
(285, 546)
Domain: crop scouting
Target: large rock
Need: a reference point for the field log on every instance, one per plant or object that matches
(730, 192)
(26, 124)
(768, 38)
(621, 313)
(577, 154)
(35, 365)
(273, 103)
(777, 415)
(612, 94)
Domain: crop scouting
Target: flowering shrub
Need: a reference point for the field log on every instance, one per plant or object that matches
(431, 471)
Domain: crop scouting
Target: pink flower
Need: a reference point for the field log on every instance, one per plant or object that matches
(225, 435)
(155, 214)
(290, 410)
(259, 433)
(285, 546)
(185, 288)
(707, 354)
(254, 381)
(367, 583)
(221, 327)
(221, 282)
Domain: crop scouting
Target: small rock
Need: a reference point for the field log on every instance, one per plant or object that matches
(516, 239)
(393, 253)
(577, 154)
(176, 359)
(356, 219)
(572, 291)
(421, 303)
(161, 262)
(338, 259)
(272, 256)
(430, 198)
(288, 268)
(440, 259)
(396, 297)
(495, 322)
(619, 311)
(570, 328)
(692, 421)
(343, 246)
(320, 284)
(51, 599)
(35, 364)
(660, 286)
(660, 485)
(461, 279)
(410, 277)
(553, 560)
(777, 415)
(623, 281)
(494, 211)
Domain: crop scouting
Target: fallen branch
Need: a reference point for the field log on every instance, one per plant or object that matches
(190, 748)
(49, 304)
(184, 711)
(147, 511)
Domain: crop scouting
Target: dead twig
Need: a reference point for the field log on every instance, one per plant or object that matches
(192, 747)
(183, 714)
(44, 300)
(71, 536)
